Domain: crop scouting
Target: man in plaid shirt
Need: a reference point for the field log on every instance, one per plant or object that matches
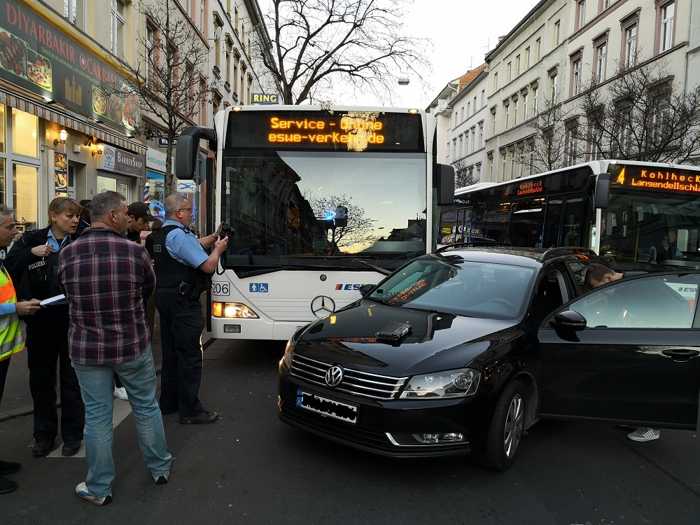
(104, 277)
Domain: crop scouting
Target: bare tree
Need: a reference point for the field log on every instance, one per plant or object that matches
(549, 144)
(317, 42)
(358, 227)
(639, 117)
(463, 177)
(169, 84)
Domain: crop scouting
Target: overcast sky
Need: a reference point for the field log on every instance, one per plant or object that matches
(461, 32)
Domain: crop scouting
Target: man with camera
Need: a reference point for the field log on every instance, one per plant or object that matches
(183, 268)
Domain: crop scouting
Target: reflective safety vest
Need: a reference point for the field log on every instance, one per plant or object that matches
(11, 328)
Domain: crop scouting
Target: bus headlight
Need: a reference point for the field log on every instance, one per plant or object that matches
(232, 311)
(462, 382)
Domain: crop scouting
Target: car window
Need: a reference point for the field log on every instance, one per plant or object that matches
(651, 302)
(551, 293)
(578, 273)
(475, 289)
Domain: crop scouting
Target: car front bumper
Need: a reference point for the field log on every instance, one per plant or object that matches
(384, 427)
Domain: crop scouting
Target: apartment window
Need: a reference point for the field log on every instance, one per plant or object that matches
(477, 172)
(227, 78)
(454, 119)
(481, 134)
(507, 116)
(468, 110)
(535, 108)
(493, 120)
(580, 14)
(629, 44)
(473, 141)
(600, 60)
(556, 33)
(509, 69)
(203, 101)
(454, 148)
(553, 84)
(576, 74)
(495, 80)
(515, 111)
(517, 65)
(526, 109)
(74, 11)
(447, 149)
(217, 53)
(483, 98)
(235, 77)
(489, 166)
(527, 57)
(667, 13)
(504, 164)
(604, 4)
(538, 49)
(571, 142)
(202, 20)
(474, 107)
(235, 19)
(116, 33)
(150, 46)
(461, 144)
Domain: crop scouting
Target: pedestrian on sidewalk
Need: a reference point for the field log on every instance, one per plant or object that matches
(11, 329)
(183, 270)
(104, 276)
(139, 220)
(33, 265)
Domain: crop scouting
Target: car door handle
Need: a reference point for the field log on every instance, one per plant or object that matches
(681, 354)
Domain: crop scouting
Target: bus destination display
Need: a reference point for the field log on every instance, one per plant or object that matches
(657, 179)
(322, 130)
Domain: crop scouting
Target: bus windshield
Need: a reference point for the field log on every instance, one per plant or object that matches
(655, 228)
(297, 209)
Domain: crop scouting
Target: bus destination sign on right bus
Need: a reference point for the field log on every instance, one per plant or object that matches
(656, 179)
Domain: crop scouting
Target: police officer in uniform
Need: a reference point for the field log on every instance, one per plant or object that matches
(183, 268)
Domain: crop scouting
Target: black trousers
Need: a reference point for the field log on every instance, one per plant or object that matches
(47, 347)
(181, 326)
(4, 365)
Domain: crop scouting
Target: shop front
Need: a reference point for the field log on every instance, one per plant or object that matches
(154, 189)
(66, 115)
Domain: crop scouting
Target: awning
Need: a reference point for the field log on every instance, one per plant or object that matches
(70, 121)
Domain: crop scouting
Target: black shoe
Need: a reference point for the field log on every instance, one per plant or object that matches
(202, 418)
(7, 486)
(43, 447)
(9, 467)
(162, 480)
(71, 448)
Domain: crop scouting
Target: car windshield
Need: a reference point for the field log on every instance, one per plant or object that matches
(453, 285)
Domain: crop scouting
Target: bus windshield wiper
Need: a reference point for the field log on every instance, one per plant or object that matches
(376, 268)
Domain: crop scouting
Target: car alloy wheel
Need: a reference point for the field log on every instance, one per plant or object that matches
(514, 424)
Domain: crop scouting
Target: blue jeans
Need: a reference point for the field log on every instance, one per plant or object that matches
(96, 384)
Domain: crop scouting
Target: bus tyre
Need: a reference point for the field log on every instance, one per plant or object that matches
(507, 427)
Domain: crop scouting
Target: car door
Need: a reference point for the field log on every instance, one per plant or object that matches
(637, 359)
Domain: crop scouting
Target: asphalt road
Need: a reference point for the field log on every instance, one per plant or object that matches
(250, 468)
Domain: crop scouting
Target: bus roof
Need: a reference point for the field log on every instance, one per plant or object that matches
(596, 167)
(287, 107)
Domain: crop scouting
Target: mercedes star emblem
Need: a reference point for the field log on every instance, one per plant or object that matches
(334, 376)
(322, 306)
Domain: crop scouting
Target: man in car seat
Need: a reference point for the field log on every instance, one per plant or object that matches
(598, 275)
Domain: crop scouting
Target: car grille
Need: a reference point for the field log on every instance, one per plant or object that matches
(354, 382)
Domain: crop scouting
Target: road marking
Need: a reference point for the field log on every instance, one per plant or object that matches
(121, 410)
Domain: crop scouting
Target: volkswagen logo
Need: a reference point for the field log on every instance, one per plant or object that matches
(334, 376)
(322, 306)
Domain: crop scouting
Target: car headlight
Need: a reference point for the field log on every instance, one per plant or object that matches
(288, 351)
(462, 382)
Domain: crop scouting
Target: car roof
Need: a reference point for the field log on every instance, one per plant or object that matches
(528, 257)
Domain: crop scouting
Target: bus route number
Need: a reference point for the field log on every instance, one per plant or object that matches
(220, 288)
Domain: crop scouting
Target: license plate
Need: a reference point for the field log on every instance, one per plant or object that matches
(327, 407)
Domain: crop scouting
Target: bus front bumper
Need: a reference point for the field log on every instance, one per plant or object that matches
(257, 329)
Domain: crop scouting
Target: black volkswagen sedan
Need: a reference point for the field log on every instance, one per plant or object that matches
(464, 350)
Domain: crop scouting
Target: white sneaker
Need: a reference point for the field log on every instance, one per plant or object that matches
(643, 434)
(82, 492)
(120, 393)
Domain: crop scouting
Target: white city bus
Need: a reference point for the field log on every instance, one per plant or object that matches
(319, 202)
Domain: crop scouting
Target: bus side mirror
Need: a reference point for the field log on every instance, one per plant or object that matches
(602, 191)
(445, 185)
(187, 150)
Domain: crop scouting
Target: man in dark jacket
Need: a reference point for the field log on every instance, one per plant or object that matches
(33, 265)
(139, 220)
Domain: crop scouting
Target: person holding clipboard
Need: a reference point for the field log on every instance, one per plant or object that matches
(33, 265)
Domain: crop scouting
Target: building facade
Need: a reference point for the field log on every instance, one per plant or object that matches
(551, 58)
(61, 132)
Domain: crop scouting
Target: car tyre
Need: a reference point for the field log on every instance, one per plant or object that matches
(507, 427)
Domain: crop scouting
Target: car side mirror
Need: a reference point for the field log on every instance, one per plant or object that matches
(366, 289)
(569, 320)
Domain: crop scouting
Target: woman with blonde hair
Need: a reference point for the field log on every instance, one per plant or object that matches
(33, 265)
